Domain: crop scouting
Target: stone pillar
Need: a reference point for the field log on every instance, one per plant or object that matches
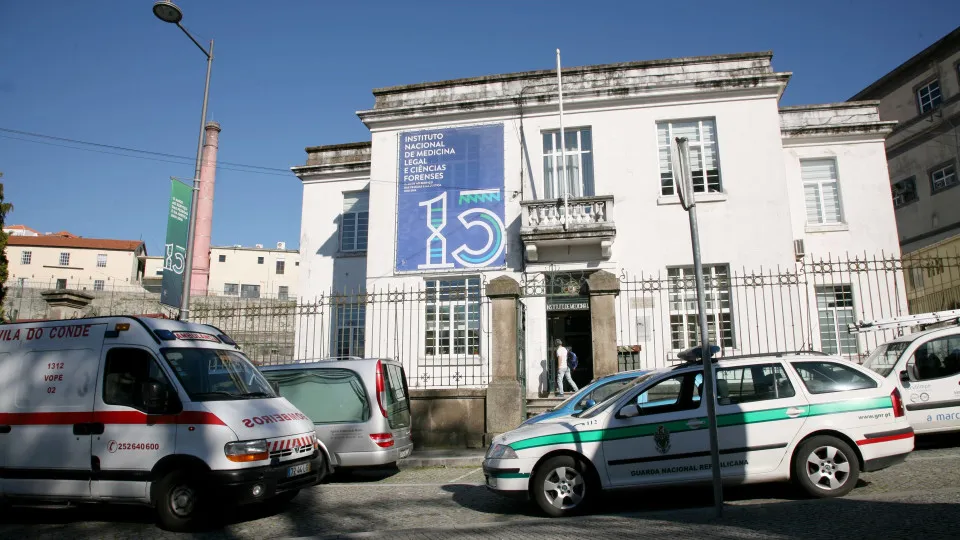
(66, 304)
(504, 394)
(604, 288)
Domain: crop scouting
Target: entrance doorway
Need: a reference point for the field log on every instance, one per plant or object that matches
(572, 327)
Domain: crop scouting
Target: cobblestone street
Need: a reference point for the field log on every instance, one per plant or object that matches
(918, 498)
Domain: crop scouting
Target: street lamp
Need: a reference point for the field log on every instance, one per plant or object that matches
(167, 11)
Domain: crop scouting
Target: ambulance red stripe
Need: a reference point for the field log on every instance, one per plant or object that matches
(108, 417)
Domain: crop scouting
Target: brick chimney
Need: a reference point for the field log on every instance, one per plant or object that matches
(200, 279)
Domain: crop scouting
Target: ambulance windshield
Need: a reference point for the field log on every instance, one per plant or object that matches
(216, 375)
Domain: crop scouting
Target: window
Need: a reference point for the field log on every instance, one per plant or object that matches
(259, 260)
(904, 192)
(64, 259)
(98, 284)
(936, 359)
(601, 392)
(677, 393)
(704, 155)
(753, 383)
(354, 222)
(929, 97)
(283, 293)
(222, 258)
(684, 324)
(835, 312)
(217, 374)
(26, 257)
(827, 377)
(452, 317)
(61, 284)
(579, 168)
(821, 191)
(326, 396)
(943, 177)
(101, 260)
(124, 374)
(249, 291)
(351, 328)
(397, 397)
(280, 267)
(883, 359)
(231, 289)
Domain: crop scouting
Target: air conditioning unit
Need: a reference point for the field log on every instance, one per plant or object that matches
(798, 250)
(259, 246)
(281, 245)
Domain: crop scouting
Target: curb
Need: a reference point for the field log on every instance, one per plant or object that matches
(414, 462)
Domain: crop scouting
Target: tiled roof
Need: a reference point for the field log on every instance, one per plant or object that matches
(73, 242)
(21, 228)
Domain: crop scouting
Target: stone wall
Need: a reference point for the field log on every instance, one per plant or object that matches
(448, 418)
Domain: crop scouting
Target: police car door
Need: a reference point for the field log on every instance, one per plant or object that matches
(134, 434)
(660, 435)
(932, 395)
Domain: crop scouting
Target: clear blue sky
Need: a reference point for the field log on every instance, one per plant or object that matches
(290, 74)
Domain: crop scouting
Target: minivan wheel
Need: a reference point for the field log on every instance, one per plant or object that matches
(825, 466)
(180, 502)
(560, 486)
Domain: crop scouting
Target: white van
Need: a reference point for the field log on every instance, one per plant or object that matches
(148, 411)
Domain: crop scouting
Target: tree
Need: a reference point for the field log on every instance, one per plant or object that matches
(4, 208)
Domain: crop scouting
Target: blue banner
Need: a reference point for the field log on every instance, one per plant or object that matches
(450, 199)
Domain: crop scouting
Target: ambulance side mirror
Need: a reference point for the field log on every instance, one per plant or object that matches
(276, 387)
(156, 397)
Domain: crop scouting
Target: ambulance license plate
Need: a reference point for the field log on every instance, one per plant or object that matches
(297, 470)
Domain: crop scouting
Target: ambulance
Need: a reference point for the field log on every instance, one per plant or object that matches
(814, 419)
(145, 411)
(924, 364)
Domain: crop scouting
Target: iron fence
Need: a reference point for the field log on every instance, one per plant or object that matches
(808, 306)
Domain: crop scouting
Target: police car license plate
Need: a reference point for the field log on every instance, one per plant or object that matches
(297, 470)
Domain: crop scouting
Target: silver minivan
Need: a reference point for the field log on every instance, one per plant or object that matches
(360, 407)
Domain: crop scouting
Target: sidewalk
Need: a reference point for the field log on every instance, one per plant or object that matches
(447, 457)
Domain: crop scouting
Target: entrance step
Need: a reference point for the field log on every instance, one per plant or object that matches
(536, 406)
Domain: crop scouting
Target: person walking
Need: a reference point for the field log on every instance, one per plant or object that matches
(563, 370)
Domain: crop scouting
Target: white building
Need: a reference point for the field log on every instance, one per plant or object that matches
(254, 272)
(775, 186)
(71, 262)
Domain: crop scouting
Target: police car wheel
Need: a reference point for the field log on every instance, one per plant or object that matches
(560, 486)
(180, 502)
(825, 466)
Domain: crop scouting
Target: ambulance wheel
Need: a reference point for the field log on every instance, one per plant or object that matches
(180, 502)
(561, 486)
(825, 466)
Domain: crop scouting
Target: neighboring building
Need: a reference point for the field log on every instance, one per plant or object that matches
(254, 272)
(461, 184)
(923, 155)
(153, 274)
(20, 230)
(71, 262)
(923, 96)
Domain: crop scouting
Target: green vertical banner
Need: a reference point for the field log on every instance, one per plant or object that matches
(175, 252)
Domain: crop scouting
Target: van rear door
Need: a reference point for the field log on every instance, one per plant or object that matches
(51, 420)
(398, 408)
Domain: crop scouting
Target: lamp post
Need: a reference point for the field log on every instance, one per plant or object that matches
(167, 11)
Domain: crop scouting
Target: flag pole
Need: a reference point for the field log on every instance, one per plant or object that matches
(563, 150)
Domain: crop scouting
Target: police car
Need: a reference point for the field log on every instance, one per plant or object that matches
(804, 416)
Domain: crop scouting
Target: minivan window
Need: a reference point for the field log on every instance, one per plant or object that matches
(217, 374)
(397, 400)
(326, 396)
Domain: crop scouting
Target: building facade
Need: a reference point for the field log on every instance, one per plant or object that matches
(71, 262)
(923, 96)
(254, 272)
(463, 181)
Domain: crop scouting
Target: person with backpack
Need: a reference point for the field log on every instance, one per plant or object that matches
(563, 369)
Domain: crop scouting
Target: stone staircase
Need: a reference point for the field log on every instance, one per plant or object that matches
(536, 406)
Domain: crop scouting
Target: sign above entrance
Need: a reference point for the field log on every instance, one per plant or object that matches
(450, 204)
(568, 304)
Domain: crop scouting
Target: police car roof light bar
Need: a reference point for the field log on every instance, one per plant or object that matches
(906, 321)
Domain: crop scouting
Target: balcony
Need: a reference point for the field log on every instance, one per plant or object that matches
(590, 223)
